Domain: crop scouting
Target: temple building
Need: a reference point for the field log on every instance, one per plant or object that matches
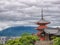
(45, 32)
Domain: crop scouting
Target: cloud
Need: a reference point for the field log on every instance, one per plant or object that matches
(27, 12)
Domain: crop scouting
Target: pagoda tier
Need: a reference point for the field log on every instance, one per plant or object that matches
(42, 24)
(41, 27)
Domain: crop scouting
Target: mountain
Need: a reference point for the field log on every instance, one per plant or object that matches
(17, 31)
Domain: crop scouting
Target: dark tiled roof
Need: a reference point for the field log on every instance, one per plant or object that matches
(55, 31)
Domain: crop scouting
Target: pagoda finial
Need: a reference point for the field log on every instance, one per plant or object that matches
(42, 13)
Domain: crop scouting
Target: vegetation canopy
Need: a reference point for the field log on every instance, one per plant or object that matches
(25, 39)
(56, 41)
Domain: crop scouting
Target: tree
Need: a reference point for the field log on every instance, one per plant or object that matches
(25, 39)
(56, 41)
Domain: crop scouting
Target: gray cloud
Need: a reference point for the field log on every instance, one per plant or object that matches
(27, 12)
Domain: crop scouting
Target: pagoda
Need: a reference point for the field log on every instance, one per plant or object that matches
(42, 25)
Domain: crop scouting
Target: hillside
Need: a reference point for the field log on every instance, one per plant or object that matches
(17, 31)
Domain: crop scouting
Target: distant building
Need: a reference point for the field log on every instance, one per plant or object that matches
(4, 39)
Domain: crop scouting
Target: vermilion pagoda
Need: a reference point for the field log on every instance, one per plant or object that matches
(45, 32)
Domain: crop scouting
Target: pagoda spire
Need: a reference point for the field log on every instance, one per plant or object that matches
(42, 14)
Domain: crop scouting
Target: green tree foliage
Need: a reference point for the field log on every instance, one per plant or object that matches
(25, 39)
(1, 44)
(56, 41)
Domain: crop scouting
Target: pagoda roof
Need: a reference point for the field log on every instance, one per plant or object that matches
(55, 31)
(43, 21)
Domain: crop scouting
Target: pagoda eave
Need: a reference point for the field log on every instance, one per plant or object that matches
(42, 23)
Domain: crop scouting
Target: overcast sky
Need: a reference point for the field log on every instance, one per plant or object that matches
(27, 12)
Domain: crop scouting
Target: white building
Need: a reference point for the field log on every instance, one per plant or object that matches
(3, 39)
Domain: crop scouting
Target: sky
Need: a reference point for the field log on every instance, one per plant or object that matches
(28, 12)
